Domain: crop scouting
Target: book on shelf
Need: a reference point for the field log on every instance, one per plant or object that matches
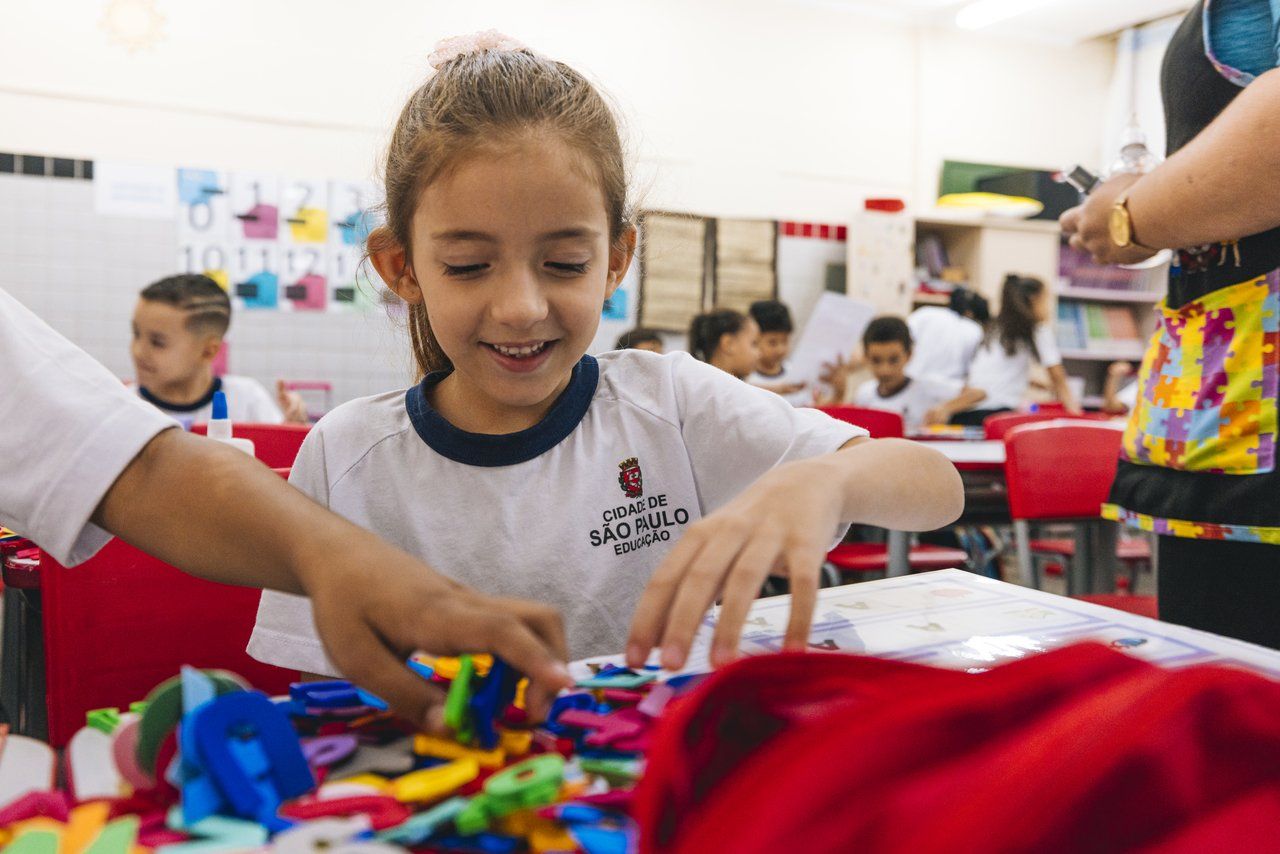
(1076, 269)
(1100, 328)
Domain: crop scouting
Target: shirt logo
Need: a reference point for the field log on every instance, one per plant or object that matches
(629, 478)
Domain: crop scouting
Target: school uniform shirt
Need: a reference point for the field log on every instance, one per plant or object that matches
(803, 397)
(248, 402)
(944, 343)
(576, 511)
(912, 401)
(68, 428)
(1005, 378)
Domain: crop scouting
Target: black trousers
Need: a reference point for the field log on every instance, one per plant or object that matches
(975, 417)
(1222, 586)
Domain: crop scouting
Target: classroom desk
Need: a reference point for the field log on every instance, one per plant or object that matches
(981, 467)
(956, 619)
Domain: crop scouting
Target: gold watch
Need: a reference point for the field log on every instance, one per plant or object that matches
(1121, 224)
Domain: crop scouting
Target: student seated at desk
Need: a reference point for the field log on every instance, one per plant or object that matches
(1020, 334)
(774, 320)
(946, 339)
(178, 327)
(640, 339)
(628, 488)
(886, 347)
(726, 339)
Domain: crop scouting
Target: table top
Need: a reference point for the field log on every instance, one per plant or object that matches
(973, 455)
(955, 619)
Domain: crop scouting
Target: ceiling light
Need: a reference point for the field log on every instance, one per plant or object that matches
(984, 13)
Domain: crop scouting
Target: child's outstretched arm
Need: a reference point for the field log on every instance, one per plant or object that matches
(219, 514)
(784, 525)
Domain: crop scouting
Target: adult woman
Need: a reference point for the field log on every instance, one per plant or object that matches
(1198, 464)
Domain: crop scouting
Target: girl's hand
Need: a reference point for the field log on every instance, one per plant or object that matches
(1088, 225)
(291, 404)
(782, 525)
(373, 610)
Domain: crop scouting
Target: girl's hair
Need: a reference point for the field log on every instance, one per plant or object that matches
(707, 329)
(491, 98)
(1016, 323)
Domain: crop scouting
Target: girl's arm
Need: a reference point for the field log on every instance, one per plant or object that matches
(1116, 373)
(220, 514)
(967, 399)
(1058, 378)
(783, 524)
(1223, 185)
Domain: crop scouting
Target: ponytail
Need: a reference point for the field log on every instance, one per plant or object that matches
(707, 329)
(1016, 323)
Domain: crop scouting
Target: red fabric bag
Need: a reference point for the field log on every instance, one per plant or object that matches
(1079, 749)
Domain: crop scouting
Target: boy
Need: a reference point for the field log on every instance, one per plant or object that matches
(886, 344)
(774, 320)
(178, 327)
(640, 339)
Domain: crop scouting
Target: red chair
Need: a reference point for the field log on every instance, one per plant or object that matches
(1061, 471)
(124, 621)
(880, 423)
(997, 426)
(275, 444)
(860, 558)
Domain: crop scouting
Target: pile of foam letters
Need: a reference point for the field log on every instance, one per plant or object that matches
(206, 764)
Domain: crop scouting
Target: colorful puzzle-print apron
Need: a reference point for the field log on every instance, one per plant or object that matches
(1199, 452)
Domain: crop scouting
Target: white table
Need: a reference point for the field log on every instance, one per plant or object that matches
(952, 618)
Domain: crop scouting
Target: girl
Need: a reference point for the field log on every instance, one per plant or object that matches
(1002, 365)
(629, 486)
(727, 339)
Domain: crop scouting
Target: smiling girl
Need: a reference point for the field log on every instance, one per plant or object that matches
(630, 490)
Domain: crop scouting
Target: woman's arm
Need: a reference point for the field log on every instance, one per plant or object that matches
(1223, 185)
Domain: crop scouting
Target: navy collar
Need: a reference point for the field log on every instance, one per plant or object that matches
(482, 449)
(182, 407)
(900, 390)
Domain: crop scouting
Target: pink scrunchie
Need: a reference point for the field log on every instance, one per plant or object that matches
(456, 46)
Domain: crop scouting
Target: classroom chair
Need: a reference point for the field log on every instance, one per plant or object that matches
(275, 444)
(866, 558)
(997, 426)
(113, 628)
(880, 423)
(1062, 471)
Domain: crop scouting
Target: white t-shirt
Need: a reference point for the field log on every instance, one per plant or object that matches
(803, 397)
(68, 428)
(247, 403)
(944, 343)
(912, 401)
(1005, 378)
(576, 511)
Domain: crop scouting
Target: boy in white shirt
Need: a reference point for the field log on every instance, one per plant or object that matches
(178, 327)
(947, 338)
(774, 320)
(921, 400)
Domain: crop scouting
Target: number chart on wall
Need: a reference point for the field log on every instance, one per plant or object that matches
(277, 243)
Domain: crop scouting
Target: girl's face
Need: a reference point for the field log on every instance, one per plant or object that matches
(740, 352)
(511, 256)
(1040, 306)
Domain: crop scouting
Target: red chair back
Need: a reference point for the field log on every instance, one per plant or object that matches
(880, 423)
(275, 444)
(1060, 470)
(123, 622)
(996, 426)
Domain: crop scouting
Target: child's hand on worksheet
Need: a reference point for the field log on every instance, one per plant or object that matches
(782, 525)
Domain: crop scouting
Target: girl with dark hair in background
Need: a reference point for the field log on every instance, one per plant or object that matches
(1018, 335)
(727, 339)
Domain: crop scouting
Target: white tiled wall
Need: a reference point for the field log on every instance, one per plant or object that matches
(81, 272)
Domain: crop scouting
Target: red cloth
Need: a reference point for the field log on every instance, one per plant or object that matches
(1079, 749)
